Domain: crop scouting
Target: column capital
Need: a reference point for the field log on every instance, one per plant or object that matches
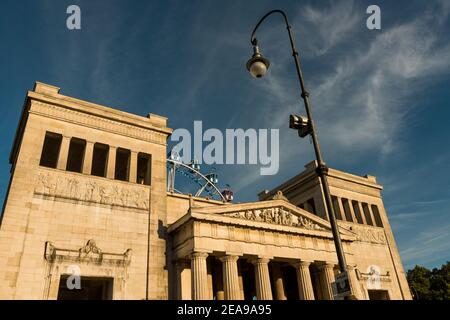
(229, 257)
(326, 265)
(260, 260)
(302, 263)
(199, 255)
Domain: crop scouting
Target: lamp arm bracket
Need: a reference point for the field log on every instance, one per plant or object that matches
(253, 39)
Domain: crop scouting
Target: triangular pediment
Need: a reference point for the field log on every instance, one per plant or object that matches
(278, 212)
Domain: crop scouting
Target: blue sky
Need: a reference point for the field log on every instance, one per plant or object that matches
(380, 97)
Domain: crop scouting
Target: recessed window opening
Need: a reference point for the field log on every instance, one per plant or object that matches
(75, 158)
(357, 212)
(122, 169)
(348, 213)
(100, 160)
(50, 150)
(143, 175)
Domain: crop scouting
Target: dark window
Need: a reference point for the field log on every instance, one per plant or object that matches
(301, 205)
(367, 214)
(144, 169)
(378, 295)
(348, 213)
(376, 216)
(337, 210)
(50, 150)
(75, 158)
(122, 170)
(100, 160)
(91, 288)
(311, 205)
(357, 212)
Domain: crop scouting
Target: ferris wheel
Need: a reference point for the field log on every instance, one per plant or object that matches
(204, 184)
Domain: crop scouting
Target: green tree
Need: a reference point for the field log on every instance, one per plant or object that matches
(430, 284)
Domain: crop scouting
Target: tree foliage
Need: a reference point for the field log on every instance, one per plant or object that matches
(430, 284)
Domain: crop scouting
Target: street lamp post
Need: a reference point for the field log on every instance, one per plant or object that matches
(258, 66)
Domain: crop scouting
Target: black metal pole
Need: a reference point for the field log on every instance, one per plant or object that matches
(322, 168)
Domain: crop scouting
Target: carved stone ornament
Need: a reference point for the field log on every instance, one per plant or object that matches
(373, 275)
(279, 196)
(89, 253)
(91, 190)
(276, 215)
(368, 234)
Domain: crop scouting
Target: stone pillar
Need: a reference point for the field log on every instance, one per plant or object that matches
(354, 283)
(111, 162)
(305, 288)
(241, 285)
(87, 163)
(63, 153)
(133, 167)
(278, 282)
(199, 276)
(341, 208)
(230, 277)
(372, 216)
(327, 277)
(183, 274)
(352, 211)
(262, 277)
(362, 213)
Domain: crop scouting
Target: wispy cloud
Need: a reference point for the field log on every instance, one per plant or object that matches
(428, 246)
(331, 25)
(364, 99)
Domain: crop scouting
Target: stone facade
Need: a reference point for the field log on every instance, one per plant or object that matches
(62, 216)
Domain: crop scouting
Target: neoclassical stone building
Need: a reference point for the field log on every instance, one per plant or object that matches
(87, 200)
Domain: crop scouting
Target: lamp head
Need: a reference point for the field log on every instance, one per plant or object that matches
(257, 65)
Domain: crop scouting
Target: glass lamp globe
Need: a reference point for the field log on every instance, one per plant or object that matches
(258, 69)
(257, 65)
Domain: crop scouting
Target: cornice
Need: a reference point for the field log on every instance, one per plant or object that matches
(97, 122)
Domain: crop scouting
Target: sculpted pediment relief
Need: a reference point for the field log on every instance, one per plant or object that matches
(276, 215)
(279, 212)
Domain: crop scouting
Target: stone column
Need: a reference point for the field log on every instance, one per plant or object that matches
(305, 288)
(341, 208)
(230, 277)
(327, 277)
(133, 167)
(199, 276)
(183, 274)
(87, 163)
(352, 211)
(111, 162)
(63, 153)
(372, 216)
(262, 277)
(278, 282)
(362, 213)
(354, 283)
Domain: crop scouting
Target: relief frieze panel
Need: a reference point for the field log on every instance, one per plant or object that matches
(369, 234)
(276, 215)
(91, 190)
